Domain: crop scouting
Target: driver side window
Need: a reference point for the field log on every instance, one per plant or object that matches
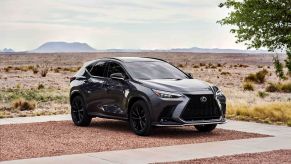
(115, 68)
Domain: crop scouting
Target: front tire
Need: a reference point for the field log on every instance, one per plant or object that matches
(79, 113)
(205, 128)
(139, 118)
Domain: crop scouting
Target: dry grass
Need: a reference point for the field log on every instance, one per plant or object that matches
(258, 77)
(268, 112)
(279, 87)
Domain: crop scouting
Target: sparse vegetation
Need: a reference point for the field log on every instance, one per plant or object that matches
(40, 86)
(262, 94)
(225, 73)
(22, 104)
(279, 87)
(34, 70)
(44, 72)
(258, 77)
(248, 86)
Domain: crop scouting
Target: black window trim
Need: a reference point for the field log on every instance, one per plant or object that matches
(106, 68)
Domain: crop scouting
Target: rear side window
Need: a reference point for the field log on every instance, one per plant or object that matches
(98, 69)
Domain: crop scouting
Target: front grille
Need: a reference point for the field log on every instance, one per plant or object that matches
(199, 110)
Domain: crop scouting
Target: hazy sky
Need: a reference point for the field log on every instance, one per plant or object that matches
(145, 24)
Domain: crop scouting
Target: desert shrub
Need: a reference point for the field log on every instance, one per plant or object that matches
(225, 73)
(262, 94)
(202, 64)
(219, 65)
(260, 66)
(213, 67)
(44, 72)
(22, 104)
(219, 70)
(40, 86)
(258, 77)
(248, 86)
(180, 65)
(34, 70)
(195, 66)
(7, 69)
(286, 87)
(243, 65)
(56, 70)
(279, 87)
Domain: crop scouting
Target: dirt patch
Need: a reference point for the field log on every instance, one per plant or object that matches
(21, 141)
(277, 156)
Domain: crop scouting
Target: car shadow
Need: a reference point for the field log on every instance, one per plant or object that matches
(157, 132)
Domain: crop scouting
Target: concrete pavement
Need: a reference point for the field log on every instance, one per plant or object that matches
(280, 139)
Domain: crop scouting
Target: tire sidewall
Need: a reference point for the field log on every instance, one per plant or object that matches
(146, 130)
(86, 119)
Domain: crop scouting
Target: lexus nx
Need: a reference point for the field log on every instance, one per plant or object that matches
(146, 92)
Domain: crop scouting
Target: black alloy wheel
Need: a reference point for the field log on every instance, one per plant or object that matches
(78, 112)
(139, 118)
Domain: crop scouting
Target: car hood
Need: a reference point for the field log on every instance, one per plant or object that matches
(177, 85)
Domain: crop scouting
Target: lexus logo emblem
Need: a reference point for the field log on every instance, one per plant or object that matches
(203, 99)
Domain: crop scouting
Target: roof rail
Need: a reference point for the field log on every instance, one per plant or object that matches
(156, 59)
(114, 58)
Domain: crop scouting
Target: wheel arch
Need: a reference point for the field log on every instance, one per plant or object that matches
(135, 98)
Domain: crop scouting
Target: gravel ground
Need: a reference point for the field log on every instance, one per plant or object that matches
(271, 157)
(21, 141)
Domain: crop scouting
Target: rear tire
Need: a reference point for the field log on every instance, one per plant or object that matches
(79, 113)
(205, 128)
(139, 118)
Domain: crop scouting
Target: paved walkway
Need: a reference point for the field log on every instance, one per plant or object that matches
(280, 140)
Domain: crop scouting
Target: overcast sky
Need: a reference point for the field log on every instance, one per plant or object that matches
(147, 24)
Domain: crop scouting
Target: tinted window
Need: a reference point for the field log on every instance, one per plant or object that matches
(115, 68)
(98, 69)
(154, 70)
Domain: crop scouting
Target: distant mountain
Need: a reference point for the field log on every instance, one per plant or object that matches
(215, 50)
(7, 50)
(51, 47)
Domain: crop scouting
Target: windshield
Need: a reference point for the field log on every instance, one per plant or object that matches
(154, 70)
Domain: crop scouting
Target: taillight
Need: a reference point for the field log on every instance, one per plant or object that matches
(72, 78)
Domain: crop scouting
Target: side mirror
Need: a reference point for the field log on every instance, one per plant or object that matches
(117, 76)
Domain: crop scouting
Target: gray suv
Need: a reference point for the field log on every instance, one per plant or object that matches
(145, 92)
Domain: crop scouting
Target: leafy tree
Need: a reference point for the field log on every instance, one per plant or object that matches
(260, 23)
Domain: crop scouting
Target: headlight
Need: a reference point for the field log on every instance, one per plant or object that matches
(217, 91)
(164, 94)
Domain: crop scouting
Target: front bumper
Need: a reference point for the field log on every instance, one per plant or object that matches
(178, 106)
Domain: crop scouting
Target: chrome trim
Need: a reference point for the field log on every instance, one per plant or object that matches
(200, 122)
